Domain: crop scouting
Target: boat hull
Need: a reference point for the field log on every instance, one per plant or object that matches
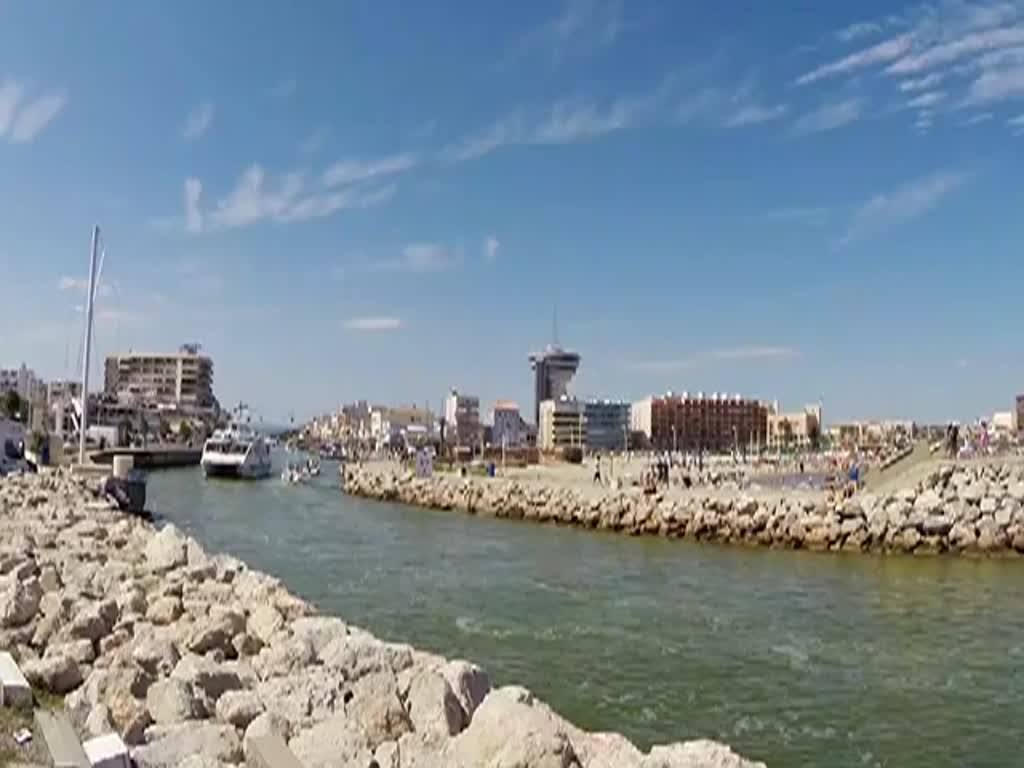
(236, 471)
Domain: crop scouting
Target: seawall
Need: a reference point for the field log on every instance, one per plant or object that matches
(189, 655)
(957, 509)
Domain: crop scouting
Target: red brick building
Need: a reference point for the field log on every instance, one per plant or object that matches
(716, 423)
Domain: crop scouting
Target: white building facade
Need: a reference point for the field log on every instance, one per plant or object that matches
(462, 417)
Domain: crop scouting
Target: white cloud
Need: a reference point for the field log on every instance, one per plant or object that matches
(35, 115)
(566, 122)
(755, 353)
(754, 114)
(491, 246)
(926, 100)
(582, 27)
(952, 50)
(858, 30)
(375, 323)
(1016, 122)
(909, 201)
(922, 83)
(829, 117)
(81, 285)
(198, 121)
(981, 117)
(424, 257)
(351, 171)
(193, 215)
(10, 95)
(288, 199)
(996, 85)
(880, 53)
(700, 104)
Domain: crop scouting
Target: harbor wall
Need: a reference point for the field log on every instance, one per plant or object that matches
(956, 509)
(191, 656)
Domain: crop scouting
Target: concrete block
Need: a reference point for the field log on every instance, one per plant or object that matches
(107, 751)
(269, 751)
(14, 688)
(61, 741)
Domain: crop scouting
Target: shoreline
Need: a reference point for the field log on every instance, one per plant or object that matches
(957, 509)
(188, 656)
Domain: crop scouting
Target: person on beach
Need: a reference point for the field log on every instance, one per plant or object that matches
(597, 471)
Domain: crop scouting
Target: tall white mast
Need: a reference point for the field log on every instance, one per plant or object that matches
(88, 345)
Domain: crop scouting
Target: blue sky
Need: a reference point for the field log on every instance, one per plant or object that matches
(383, 200)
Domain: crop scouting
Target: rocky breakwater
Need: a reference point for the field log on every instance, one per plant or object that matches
(187, 656)
(969, 509)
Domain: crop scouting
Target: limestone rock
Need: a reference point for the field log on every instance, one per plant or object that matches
(99, 723)
(469, 682)
(164, 610)
(130, 717)
(246, 644)
(172, 701)
(264, 622)
(605, 750)
(56, 674)
(988, 505)
(335, 742)
(696, 754)
(19, 601)
(238, 708)
(166, 550)
(361, 654)
(171, 746)
(433, 707)
(284, 658)
(263, 725)
(511, 729)
(373, 703)
(208, 676)
(82, 651)
(156, 655)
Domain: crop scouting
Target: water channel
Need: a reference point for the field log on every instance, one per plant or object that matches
(794, 658)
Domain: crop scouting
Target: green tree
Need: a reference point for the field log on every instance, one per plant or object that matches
(184, 431)
(10, 405)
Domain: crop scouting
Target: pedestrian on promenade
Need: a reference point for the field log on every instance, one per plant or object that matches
(597, 471)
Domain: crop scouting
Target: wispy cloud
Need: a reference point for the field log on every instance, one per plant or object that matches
(566, 122)
(981, 117)
(859, 30)
(765, 354)
(421, 258)
(1017, 125)
(352, 171)
(922, 83)
(927, 100)
(755, 353)
(829, 117)
(996, 85)
(880, 53)
(908, 201)
(81, 285)
(287, 199)
(754, 114)
(193, 215)
(953, 50)
(198, 121)
(491, 246)
(375, 323)
(26, 120)
(582, 27)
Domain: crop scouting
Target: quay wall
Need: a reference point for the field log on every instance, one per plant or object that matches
(956, 509)
(190, 656)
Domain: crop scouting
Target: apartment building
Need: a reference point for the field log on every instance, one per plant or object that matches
(715, 422)
(607, 424)
(562, 424)
(183, 379)
(462, 419)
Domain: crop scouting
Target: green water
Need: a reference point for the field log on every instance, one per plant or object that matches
(797, 659)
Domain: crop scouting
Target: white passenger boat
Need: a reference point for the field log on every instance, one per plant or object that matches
(238, 451)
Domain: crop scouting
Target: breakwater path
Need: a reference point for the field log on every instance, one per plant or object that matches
(793, 658)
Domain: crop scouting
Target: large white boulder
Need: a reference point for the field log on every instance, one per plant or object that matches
(171, 746)
(57, 674)
(167, 550)
(238, 708)
(172, 701)
(19, 601)
(696, 754)
(469, 682)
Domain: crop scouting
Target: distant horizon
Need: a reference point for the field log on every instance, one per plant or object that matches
(816, 203)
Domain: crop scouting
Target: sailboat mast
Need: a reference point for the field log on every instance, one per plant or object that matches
(88, 345)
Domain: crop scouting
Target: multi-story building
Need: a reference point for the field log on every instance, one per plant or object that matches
(800, 429)
(553, 370)
(22, 380)
(462, 420)
(508, 428)
(607, 424)
(562, 424)
(58, 391)
(701, 423)
(183, 379)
